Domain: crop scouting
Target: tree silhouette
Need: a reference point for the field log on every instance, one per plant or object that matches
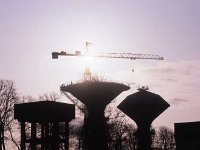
(8, 97)
(49, 97)
(164, 139)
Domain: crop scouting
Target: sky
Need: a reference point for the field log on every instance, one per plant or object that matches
(31, 30)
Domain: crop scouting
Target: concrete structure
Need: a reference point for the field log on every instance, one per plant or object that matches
(49, 124)
(187, 135)
(96, 96)
(143, 107)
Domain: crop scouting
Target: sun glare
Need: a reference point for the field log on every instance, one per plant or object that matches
(88, 58)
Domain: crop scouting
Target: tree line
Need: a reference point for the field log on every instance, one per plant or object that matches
(121, 135)
(120, 132)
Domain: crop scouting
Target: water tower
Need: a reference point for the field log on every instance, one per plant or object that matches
(49, 124)
(96, 96)
(143, 107)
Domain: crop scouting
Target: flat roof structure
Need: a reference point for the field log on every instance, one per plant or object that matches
(187, 135)
(42, 111)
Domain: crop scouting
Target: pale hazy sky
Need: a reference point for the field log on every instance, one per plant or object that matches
(31, 30)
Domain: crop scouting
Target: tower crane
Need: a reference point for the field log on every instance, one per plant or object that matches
(126, 55)
(122, 55)
(87, 73)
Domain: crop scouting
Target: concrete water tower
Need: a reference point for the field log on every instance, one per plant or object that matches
(143, 107)
(96, 96)
(49, 124)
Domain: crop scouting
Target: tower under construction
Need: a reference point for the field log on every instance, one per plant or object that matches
(96, 96)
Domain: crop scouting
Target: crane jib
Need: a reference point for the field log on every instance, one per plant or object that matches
(131, 56)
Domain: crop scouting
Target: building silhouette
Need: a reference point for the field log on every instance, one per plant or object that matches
(49, 124)
(187, 135)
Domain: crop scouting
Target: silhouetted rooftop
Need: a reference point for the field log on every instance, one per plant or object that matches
(187, 135)
(187, 130)
(44, 111)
